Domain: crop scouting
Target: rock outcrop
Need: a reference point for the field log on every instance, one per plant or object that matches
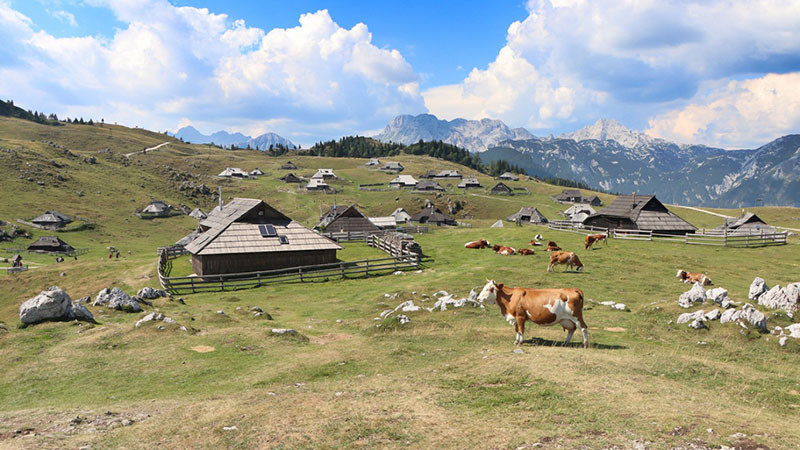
(53, 304)
(117, 299)
(694, 295)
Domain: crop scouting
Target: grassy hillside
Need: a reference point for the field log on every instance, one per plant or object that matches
(447, 379)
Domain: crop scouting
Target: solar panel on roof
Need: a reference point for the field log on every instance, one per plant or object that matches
(267, 230)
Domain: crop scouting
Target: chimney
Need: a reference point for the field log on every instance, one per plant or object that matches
(220, 197)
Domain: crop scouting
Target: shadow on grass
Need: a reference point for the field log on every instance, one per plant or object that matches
(540, 342)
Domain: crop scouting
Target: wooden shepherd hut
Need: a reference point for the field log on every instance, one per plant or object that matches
(52, 220)
(289, 178)
(527, 215)
(639, 212)
(50, 244)
(248, 235)
(501, 189)
(747, 224)
(433, 216)
(288, 166)
(339, 219)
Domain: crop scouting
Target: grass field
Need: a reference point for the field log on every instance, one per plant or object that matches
(447, 379)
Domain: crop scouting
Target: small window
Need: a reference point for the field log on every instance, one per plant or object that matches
(283, 239)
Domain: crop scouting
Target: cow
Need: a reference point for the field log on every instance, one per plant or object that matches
(592, 238)
(538, 237)
(536, 243)
(552, 247)
(568, 259)
(693, 277)
(540, 306)
(525, 251)
(503, 250)
(481, 243)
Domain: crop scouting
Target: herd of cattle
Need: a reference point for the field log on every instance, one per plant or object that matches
(557, 256)
(549, 306)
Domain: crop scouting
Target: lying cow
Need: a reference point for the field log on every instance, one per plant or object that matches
(592, 238)
(568, 259)
(552, 247)
(538, 237)
(525, 251)
(536, 243)
(693, 277)
(482, 243)
(540, 306)
(503, 250)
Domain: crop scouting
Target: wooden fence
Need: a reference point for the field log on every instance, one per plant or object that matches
(563, 225)
(363, 236)
(400, 260)
(701, 237)
(12, 270)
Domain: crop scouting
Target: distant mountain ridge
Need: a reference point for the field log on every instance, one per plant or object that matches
(473, 135)
(225, 139)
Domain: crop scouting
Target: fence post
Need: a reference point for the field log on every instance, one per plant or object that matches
(367, 270)
(300, 271)
(725, 243)
(192, 280)
(341, 266)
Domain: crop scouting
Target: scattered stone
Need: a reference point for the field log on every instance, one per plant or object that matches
(338, 320)
(518, 351)
(62, 274)
(230, 428)
(154, 317)
(53, 304)
(284, 332)
(398, 272)
(256, 309)
(117, 299)
(717, 295)
(403, 319)
(694, 295)
(3, 328)
(757, 287)
(794, 330)
(689, 317)
(786, 298)
(748, 314)
(150, 293)
(714, 314)
(697, 324)
(782, 340)
(221, 312)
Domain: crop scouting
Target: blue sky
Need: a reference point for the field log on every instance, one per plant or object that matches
(717, 72)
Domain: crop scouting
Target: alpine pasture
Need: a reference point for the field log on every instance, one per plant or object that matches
(448, 379)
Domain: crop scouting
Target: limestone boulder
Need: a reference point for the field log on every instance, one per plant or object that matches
(150, 293)
(117, 299)
(757, 287)
(694, 295)
(689, 317)
(52, 304)
(781, 298)
(717, 295)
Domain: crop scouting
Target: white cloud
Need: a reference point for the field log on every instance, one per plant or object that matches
(169, 63)
(575, 60)
(745, 113)
(65, 17)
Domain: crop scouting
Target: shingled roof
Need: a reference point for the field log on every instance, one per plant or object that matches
(528, 214)
(645, 211)
(52, 218)
(749, 221)
(235, 229)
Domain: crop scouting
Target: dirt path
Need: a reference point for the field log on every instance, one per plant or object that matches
(128, 155)
(493, 198)
(703, 211)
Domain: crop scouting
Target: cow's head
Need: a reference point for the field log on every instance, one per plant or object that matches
(495, 247)
(485, 243)
(489, 292)
(681, 274)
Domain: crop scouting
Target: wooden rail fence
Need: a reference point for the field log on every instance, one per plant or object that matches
(400, 260)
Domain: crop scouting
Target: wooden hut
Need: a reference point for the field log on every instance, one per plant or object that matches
(50, 244)
(593, 200)
(501, 189)
(469, 183)
(508, 176)
(448, 173)
(325, 174)
(339, 219)
(248, 235)
(288, 166)
(289, 178)
(234, 172)
(747, 224)
(317, 184)
(256, 172)
(428, 185)
(393, 167)
(402, 181)
(528, 215)
(429, 174)
(157, 208)
(433, 216)
(384, 223)
(569, 196)
(198, 214)
(639, 212)
(373, 162)
(401, 215)
(52, 220)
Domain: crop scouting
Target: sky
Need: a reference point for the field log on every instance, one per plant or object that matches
(716, 72)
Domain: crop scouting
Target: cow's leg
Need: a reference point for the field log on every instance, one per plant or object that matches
(520, 330)
(570, 327)
(549, 268)
(584, 329)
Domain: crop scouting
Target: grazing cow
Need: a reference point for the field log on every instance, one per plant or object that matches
(482, 243)
(503, 250)
(693, 277)
(568, 259)
(552, 247)
(592, 238)
(540, 306)
(525, 251)
(536, 243)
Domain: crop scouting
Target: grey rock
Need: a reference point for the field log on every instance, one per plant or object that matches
(52, 304)
(403, 319)
(697, 324)
(782, 340)
(518, 350)
(80, 312)
(717, 295)
(730, 315)
(284, 332)
(794, 330)
(782, 298)
(150, 293)
(757, 287)
(754, 317)
(694, 295)
(714, 314)
(689, 317)
(117, 299)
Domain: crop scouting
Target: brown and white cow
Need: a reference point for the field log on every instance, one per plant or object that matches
(552, 247)
(592, 238)
(540, 306)
(503, 250)
(568, 259)
(481, 243)
(536, 243)
(693, 277)
(525, 251)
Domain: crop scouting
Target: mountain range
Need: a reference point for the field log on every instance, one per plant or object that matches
(614, 158)
(225, 139)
